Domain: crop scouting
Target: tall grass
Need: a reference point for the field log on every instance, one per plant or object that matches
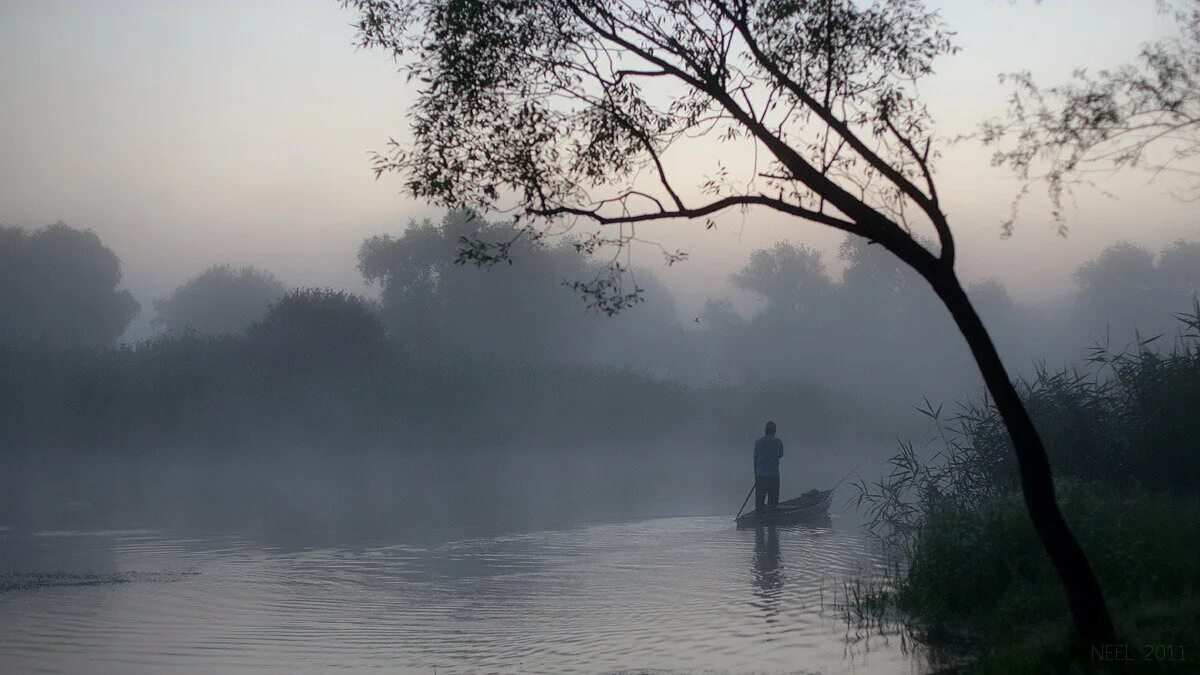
(1123, 435)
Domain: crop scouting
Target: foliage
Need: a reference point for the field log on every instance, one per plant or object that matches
(318, 356)
(315, 372)
(1121, 434)
(218, 301)
(436, 303)
(1121, 419)
(319, 330)
(59, 285)
(1144, 115)
(1129, 286)
(555, 109)
(876, 317)
(984, 564)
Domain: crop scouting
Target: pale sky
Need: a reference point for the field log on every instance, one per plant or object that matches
(192, 132)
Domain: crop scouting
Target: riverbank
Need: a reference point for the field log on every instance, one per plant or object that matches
(968, 572)
(977, 581)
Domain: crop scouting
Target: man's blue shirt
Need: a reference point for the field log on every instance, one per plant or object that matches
(767, 451)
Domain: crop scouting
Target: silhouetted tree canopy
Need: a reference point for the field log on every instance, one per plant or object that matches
(59, 285)
(557, 108)
(1143, 115)
(218, 301)
(322, 334)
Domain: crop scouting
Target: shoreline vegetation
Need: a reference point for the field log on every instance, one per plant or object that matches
(967, 576)
(448, 354)
(280, 383)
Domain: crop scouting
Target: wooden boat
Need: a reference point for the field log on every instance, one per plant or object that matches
(810, 507)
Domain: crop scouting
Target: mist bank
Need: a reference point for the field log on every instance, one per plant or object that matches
(312, 376)
(336, 494)
(451, 354)
(857, 322)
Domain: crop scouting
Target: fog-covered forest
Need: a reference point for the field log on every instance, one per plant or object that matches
(447, 352)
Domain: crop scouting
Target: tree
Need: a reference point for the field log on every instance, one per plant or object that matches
(557, 109)
(1176, 281)
(433, 305)
(218, 301)
(787, 278)
(318, 333)
(1140, 115)
(1114, 289)
(1129, 292)
(436, 306)
(798, 308)
(322, 361)
(59, 285)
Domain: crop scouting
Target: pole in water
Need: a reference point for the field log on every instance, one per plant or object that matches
(744, 502)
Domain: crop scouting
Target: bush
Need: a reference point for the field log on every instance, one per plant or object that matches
(1121, 433)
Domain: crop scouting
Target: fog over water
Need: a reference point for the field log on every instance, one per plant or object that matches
(260, 413)
(660, 593)
(453, 476)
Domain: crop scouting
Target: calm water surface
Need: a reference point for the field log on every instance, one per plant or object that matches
(673, 593)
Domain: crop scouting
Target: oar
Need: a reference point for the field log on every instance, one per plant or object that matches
(744, 502)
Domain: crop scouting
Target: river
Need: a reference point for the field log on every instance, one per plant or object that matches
(670, 593)
(147, 591)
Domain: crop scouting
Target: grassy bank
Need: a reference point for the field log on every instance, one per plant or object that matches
(969, 574)
(979, 576)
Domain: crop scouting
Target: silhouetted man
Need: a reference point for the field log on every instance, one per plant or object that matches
(767, 451)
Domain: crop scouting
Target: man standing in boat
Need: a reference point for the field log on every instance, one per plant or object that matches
(767, 451)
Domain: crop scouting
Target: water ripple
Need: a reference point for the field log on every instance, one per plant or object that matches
(654, 596)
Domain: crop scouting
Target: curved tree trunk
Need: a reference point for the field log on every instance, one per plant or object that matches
(1074, 572)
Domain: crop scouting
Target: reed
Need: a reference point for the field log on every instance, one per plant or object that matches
(1122, 434)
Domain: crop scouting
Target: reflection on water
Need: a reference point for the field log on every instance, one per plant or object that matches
(768, 575)
(675, 593)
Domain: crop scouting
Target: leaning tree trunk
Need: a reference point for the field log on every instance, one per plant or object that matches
(1074, 572)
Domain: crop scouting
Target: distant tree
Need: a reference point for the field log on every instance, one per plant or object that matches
(1141, 115)
(59, 285)
(1176, 280)
(218, 301)
(726, 335)
(1114, 289)
(1129, 289)
(880, 287)
(434, 304)
(792, 279)
(318, 333)
(878, 317)
(591, 114)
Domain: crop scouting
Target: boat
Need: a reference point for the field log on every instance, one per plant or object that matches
(809, 508)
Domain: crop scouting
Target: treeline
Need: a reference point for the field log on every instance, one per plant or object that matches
(448, 356)
(320, 367)
(876, 328)
(453, 346)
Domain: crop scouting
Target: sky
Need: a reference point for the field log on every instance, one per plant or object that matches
(194, 132)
